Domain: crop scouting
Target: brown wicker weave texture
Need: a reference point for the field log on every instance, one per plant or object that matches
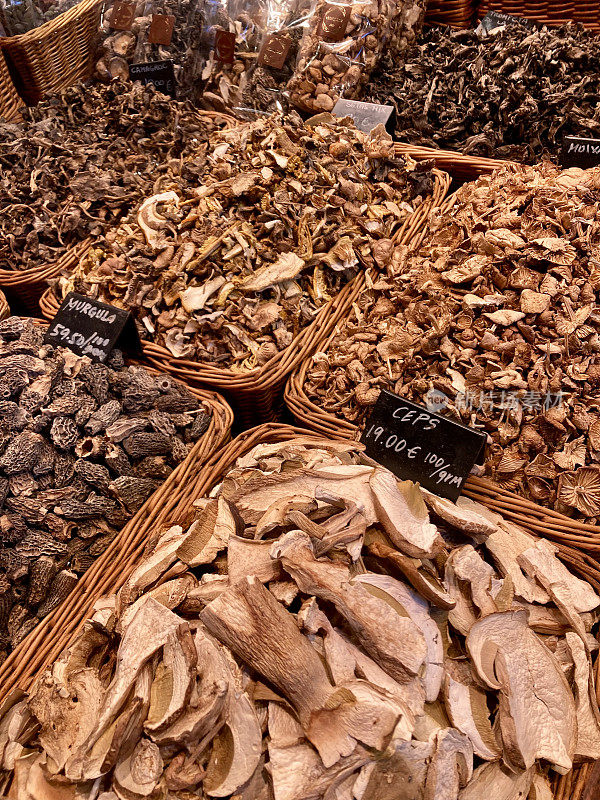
(256, 394)
(58, 53)
(548, 12)
(457, 13)
(4, 307)
(45, 644)
(46, 641)
(10, 102)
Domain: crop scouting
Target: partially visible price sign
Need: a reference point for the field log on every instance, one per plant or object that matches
(160, 73)
(224, 46)
(497, 19)
(122, 15)
(579, 152)
(366, 116)
(91, 328)
(418, 444)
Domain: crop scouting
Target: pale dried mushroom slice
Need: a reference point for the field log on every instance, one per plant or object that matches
(466, 705)
(506, 545)
(497, 781)
(393, 641)
(403, 514)
(586, 704)
(406, 602)
(537, 719)
(468, 516)
(451, 767)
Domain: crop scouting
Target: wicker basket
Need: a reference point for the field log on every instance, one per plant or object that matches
(122, 552)
(58, 53)
(458, 165)
(42, 647)
(456, 13)
(548, 12)
(4, 307)
(28, 285)
(10, 102)
(256, 394)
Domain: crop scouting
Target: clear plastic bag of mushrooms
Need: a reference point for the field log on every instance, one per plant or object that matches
(320, 630)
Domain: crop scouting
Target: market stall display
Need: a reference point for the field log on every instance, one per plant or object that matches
(328, 628)
(77, 163)
(513, 93)
(228, 280)
(84, 446)
(494, 322)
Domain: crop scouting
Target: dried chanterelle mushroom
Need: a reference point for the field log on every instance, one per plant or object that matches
(495, 320)
(84, 158)
(82, 447)
(274, 650)
(230, 267)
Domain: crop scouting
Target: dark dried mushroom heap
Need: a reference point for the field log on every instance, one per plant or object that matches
(512, 94)
(498, 313)
(82, 447)
(82, 159)
(315, 634)
(234, 265)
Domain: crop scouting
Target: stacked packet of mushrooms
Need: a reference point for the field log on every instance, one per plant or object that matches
(319, 630)
(82, 447)
(232, 261)
(494, 320)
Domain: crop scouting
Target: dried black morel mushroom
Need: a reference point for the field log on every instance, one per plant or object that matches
(496, 321)
(82, 159)
(229, 268)
(82, 447)
(513, 93)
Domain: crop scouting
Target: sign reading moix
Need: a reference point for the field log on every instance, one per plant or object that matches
(91, 328)
(579, 152)
(420, 445)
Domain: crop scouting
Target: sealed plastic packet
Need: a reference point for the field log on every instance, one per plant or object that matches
(340, 49)
(232, 33)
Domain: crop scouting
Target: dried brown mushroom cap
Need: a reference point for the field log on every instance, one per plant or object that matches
(231, 272)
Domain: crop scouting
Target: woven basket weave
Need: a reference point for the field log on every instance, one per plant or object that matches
(547, 12)
(123, 551)
(58, 53)
(456, 13)
(458, 165)
(64, 623)
(4, 307)
(10, 102)
(256, 393)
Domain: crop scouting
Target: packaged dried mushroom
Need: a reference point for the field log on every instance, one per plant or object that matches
(495, 321)
(20, 16)
(83, 158)
(327, 632)
(82, 447)
(339, 50)
(513, 93)
(233, 261)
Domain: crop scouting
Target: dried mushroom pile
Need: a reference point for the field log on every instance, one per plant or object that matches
(84, 158)
(236, 263)
(496, 319)
(82, 446)
(513, 93)
(315, 634)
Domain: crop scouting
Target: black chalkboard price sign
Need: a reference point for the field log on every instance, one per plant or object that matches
(366, 116)
(579, 152)
(496, 19)
(160, 73)
(91, 328)
(420, 445)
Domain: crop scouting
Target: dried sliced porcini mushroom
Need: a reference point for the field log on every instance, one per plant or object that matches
(235, 661)
(536, 706)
